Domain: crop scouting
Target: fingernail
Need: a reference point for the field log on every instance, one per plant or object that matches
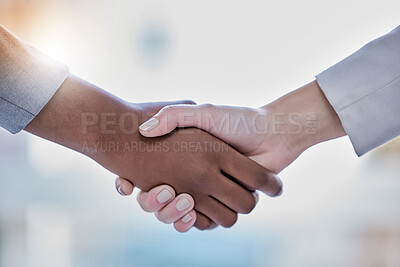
(187, 218)
(120, 191)
(256, 196)
(182, 204)
(164, 196)
(149, 125)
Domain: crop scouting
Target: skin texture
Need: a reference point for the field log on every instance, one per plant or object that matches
(166, 211)
(93, 122)
(273, 135)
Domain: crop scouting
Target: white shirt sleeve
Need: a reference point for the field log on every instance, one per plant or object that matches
(364, 90)
(28, 80)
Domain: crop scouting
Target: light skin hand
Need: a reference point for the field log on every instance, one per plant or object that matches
(161, 200)
(273, 135)
(183, 221)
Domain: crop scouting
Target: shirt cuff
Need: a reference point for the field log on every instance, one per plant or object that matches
(364, 90)
(28, 80)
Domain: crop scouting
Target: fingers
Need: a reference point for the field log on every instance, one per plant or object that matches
(250, 174)
(202, 221)
(156, 198)
(177, 209)
(171, 117)
(152, 108)
(123, 186)
(217, 212)
(168, 208)
(186, 222)
(233, 195)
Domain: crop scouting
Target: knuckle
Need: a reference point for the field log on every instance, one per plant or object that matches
(163, 218)
(207, 107)
(146, 203)
(173, 110)
(142, 202)
(167, 109)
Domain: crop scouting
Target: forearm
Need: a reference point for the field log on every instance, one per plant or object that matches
(89, 120)
(64, 120)
(308, 117)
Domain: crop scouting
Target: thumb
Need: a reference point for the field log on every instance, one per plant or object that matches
(171, 117)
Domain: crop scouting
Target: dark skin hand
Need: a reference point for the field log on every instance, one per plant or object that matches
(91, 121)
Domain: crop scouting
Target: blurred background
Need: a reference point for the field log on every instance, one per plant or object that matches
(58, 208)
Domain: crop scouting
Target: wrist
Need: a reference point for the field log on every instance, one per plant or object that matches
(305, 118)
(108, 129)
(80, 116)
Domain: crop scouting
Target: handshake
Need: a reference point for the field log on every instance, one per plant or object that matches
(214, 158)
(198, 165)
